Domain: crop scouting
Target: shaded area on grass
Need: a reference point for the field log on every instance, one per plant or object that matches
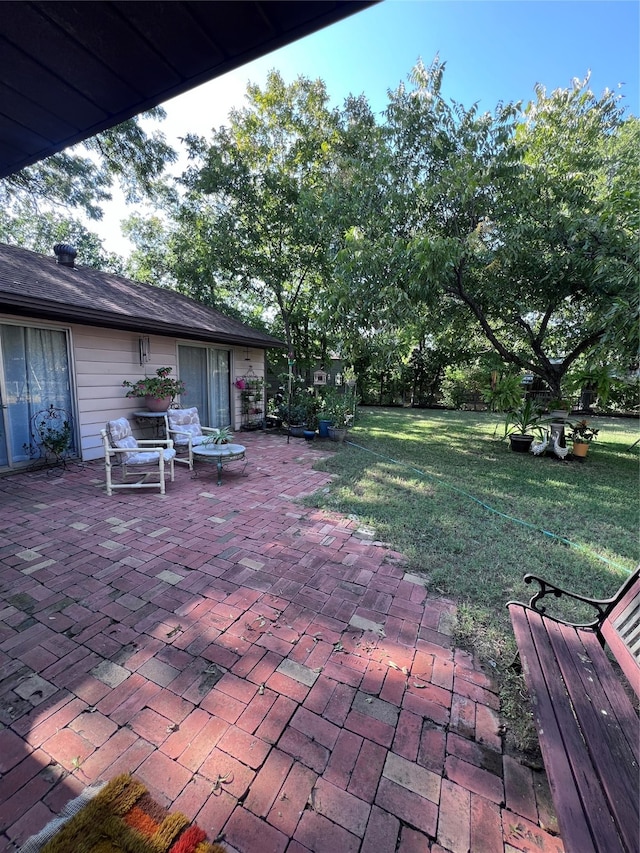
(476, 556)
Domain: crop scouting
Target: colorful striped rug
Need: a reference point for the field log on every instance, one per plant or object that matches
(122, 817)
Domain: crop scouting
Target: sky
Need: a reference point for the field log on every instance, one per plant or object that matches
(495, 50)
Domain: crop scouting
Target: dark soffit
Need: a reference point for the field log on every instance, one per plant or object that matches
(69, 70)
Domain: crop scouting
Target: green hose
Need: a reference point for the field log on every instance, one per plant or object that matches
(493, 510)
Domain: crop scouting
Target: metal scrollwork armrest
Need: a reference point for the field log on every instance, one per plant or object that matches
(547, 588)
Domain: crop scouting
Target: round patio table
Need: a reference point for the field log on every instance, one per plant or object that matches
(219, 453)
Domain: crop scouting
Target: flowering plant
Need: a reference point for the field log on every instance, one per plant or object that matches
(581, 432)
(159, 386)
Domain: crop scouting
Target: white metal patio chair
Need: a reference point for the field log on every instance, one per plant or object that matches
(184, 428)
(148, 460)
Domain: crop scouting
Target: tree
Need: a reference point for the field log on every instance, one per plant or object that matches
(251, 226)
(514, 219)
(41, 199)
(40, 233)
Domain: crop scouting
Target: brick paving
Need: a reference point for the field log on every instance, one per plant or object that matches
(267, 668)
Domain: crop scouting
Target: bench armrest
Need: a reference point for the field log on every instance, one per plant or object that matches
(602, 606)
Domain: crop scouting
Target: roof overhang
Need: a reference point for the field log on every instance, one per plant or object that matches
(52, 312)
(69, 70)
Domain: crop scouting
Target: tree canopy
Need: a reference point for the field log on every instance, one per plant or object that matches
(433, 235)
(42, 203)
(518, 219)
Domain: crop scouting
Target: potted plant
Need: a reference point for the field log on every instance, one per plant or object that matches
(581, 434)
(521, 424)
(159, 391)
(340, 409)
(559, 409)
(300, 412)
(224, 435)
(294, 415)
(53, 434)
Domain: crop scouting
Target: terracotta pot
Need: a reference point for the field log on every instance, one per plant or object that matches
(157, 404)
(580, 448)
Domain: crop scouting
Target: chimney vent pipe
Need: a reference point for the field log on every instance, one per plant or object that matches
(65, 254)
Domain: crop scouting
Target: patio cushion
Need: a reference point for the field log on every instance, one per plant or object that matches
(121, 436)
(145, 457)
(185, 421)
(120, 433)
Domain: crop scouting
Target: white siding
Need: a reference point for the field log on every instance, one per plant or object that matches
(102, 358)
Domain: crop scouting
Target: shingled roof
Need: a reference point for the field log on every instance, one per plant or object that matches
(38, 286)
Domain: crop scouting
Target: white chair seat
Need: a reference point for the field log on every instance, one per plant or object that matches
(148, 456)
(182, 440)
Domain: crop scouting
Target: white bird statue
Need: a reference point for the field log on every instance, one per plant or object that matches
(560, 452)
(539, 448)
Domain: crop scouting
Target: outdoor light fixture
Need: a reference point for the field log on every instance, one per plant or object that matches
(144, 347)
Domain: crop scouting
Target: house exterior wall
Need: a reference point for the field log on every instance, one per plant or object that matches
(102, 358)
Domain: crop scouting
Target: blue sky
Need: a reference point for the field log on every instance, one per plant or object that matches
(494, 50)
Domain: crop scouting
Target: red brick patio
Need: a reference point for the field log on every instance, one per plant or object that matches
(268, 669)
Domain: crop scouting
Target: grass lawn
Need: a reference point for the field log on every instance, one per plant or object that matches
(414, 475)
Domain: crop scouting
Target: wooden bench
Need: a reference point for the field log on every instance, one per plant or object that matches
(587, 725)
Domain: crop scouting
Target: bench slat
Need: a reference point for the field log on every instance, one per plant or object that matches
(610, 754)
(574, 829)
(620, 702)
(595, 813)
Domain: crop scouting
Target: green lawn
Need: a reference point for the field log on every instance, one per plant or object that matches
(414, 475)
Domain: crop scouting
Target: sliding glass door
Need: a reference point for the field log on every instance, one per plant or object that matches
(205, 372)
(34, 382)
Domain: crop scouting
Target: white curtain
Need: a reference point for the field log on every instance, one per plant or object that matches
(219, 372)
(205, 373)
(36, 377)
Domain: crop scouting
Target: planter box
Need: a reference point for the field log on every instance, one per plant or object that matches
(336, 434)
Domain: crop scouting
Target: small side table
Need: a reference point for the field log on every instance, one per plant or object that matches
(219, 453)
(155, 420)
